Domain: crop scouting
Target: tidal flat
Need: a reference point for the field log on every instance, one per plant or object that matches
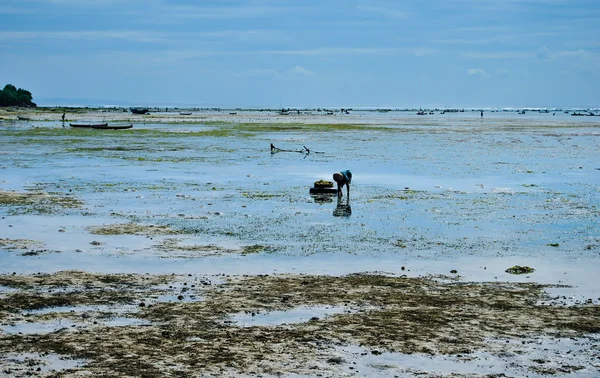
(185, 247)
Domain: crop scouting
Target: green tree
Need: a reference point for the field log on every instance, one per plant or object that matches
(11, 96)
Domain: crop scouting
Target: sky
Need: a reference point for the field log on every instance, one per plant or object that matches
(303, 53)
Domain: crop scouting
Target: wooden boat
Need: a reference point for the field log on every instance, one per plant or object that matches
(88, 125)
(21, 118)
(185, 113)
(112, 127)
(140, 110)
(101, 126)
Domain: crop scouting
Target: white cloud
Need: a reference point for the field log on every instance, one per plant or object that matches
(499, 55)
(300, 71)
(479, 72)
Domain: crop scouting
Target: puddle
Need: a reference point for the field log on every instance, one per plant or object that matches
(123, 309)
(39, 328)
(535, 358)
(296, 315)
(26, 363)
(63, 325)
(122, 322)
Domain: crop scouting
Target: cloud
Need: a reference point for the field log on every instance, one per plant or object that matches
(294, 72)
(334, 51)
(499, 55)
(503, 72)
(383, 8)
(257, 72)
(300, 71)
(543, 53)
(134, 36)
(478, 72)
(422, 51)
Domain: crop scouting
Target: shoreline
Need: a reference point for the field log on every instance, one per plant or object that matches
(312, 116)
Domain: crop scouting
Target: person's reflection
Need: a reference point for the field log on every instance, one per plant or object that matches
(343, 208)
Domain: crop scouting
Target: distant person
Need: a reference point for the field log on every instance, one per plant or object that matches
(481, 113)
(343, 178)
(63, 117)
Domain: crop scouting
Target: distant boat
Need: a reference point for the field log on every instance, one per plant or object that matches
(21, 118)
(185, 113)
(84, 125)
(100, 126)
(140, 110)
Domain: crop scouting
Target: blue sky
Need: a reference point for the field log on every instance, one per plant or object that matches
(313, 53)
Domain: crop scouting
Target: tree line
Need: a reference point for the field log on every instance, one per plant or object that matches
(11, 96)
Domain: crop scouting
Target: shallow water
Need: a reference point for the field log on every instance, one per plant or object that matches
(429, 194)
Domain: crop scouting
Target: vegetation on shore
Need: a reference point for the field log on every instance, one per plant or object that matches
(11, 96)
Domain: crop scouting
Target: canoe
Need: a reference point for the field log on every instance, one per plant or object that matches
(112, 127)
(92, 125)
(100, 126)
(140, 110)
(21, 118)
(185, 113)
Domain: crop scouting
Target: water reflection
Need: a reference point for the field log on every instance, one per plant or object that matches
(343, 208)
(322, 198)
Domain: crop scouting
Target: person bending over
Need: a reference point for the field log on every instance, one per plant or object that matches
(343, 178)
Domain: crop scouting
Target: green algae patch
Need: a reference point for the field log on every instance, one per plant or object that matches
(133, 229)
(176, 249)
(517, 269)
(262, 195)
(196, 332)
(38, 202)
(19, 243)
(313, 127)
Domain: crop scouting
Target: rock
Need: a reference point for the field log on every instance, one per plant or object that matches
(517, 269)
(336, 360)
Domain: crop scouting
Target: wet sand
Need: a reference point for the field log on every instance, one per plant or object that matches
(183, 247)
